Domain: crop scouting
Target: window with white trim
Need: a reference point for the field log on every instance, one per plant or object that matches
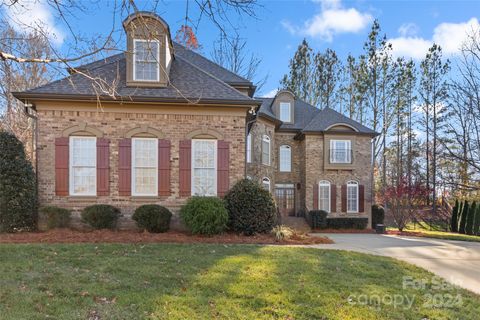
(83, 166)
(324, 196)
(352, 196)
(144, 167)
(266, 183)
(340, 151)
(285, 112)
(266, 150)
(285, 158)
(146, 60)
(249, 148)
(204, 167)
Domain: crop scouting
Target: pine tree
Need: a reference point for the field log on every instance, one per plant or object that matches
(463, 218)
(470, 219)
(476, 223)
(299, 79)
(454, 218)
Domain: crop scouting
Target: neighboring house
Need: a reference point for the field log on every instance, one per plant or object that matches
(310, 158)
(160, 123)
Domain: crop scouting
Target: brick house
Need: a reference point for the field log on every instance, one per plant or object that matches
(160, 123)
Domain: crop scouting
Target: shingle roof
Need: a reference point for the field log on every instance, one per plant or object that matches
(187, 81)
(307, 118)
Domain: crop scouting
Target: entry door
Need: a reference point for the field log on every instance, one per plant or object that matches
(285, 197)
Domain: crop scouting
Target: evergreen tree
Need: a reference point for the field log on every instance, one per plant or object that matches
(470, 219)
(454, 219)
(463, 218)
(476, 222)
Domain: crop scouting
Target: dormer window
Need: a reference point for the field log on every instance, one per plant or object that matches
(285, 112)
(146, 55)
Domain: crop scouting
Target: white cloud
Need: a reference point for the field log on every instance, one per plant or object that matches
(409, 29)
(30, 15)
(448, 35)
(270, 94)
(333, 19)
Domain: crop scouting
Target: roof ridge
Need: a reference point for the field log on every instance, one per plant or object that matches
(203, 57)
(215, 78)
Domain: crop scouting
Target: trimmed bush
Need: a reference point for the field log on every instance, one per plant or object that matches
(250, 207)
(347, 223)
(18, 202)
(56, 217)
(454, 218)
(470, 219)
(204, 215)
(463, 218)
(101, 216)
(317, 219)
(153, 218)
(378, 215)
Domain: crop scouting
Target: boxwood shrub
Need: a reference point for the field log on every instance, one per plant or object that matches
(317, 219)
(251, 208)
(378, 215)
(153, 218)
(347, 223)
(101, 216)
(204, 215)
(56, 217)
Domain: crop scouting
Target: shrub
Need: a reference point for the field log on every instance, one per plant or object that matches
(204, 215)
(470, 219)
(463, 218)
(153, 218)
(282, 232)
(454, 218)
(251, 208)
(317, 219)
(18, 203)
(56, 217)
(378, 215)
(347, 223)
(101, 216)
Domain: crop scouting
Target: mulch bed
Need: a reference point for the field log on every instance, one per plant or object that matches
(344, 230)
(108, 236)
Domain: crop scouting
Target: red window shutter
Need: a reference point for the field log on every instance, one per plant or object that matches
(333, 198)
(61, 166)
(164, 167)
(103, 167)
(185, 163)
(125, 167)
(223, 166)
(344, 198)
(361, 198)
(315, 196)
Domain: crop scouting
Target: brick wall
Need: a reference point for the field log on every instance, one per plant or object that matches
(115, 124)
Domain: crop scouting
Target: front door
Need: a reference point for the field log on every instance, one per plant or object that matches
(285, 197)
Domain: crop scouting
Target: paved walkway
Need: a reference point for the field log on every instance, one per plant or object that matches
(456, 261)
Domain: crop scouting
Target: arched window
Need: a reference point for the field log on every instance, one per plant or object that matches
(324, 195)
(352, 196)
(266, 183)
(285, 158)
(266, 150)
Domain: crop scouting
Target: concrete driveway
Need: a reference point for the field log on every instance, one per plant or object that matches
(456, 261)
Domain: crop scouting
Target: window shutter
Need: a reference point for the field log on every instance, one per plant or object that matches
(315, 196)
(361, 198)
(61, 166)
(125, 167)
(185, 162)
(344, 198)
(223, 166)
(103, 167)
(333, 198)
(164, 167)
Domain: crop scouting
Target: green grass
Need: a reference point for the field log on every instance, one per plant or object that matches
(173, 281)
(437, 233)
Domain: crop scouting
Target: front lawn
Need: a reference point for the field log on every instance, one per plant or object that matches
(208, 281)
(422, 230)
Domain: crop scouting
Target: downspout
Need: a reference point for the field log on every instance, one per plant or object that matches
(253, 113)
(34, 155)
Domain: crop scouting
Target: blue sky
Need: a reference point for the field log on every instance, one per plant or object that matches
(281, 25)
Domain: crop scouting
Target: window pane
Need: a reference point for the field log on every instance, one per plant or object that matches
(324, 197)
(352, 198)
(84, 180)
(249, 148)
(285, 158)
(146, 60)
(266, 184)
(204, 182)
(204, 154)
(265, 152)
(285, 112)
(145, 153)
(204, 168)
(145, 180)
(83, 151)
